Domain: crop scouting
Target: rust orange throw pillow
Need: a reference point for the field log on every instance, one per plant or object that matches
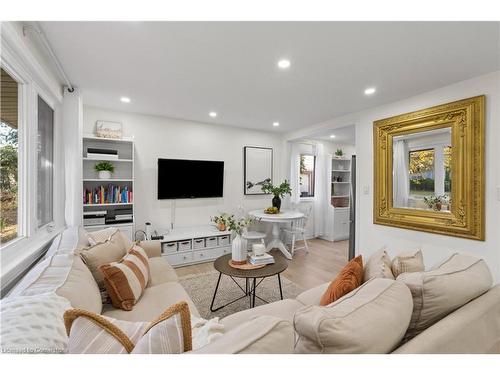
(348, 279)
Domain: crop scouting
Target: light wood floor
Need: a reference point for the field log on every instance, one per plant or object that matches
(324, 260)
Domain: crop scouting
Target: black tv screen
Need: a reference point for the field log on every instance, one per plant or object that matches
(179, 179)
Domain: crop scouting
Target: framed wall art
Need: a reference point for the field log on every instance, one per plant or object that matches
(258, 168)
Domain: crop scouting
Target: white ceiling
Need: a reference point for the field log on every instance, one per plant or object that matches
(186, 69)
(345, 135)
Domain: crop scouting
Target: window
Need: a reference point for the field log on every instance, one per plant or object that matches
(9, 159)
(447, 169)
(430, 177)
(422, 173)
(306, 179)
(45, 161)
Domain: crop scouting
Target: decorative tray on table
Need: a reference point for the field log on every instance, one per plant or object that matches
(245, 266)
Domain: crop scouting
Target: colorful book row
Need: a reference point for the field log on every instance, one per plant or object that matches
(107, 194)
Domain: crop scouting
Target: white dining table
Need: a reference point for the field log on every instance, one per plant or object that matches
(285, 216)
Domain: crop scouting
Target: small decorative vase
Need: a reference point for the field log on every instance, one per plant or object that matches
(104, 175)
(239, 250)
(221, 226)
(438, 206)
(277, 202)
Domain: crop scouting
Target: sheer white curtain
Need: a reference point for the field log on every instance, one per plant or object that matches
(72, 133)
(320, 190)
(400, 177)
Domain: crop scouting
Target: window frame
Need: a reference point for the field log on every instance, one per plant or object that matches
(34, 80)
(437, 147)
(48, 227)
(22, 139)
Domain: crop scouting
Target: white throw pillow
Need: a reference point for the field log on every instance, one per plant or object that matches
(102, 235)
(445, 288)
(371, 319)
(378, 265)
(33, 324)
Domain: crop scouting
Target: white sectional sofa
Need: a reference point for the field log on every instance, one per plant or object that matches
(473, 328)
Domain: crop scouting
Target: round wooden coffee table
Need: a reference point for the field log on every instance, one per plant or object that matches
(221, 264)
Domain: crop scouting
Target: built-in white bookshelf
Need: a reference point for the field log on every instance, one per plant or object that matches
(341, 181)
(341, 189)
(117, 191)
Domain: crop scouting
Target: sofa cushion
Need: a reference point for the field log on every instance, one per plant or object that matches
(45, 277)
(472, 329)
(161, 271)
(80, 288)
(90, 333)
(410, 261)
(259, 335)
(152, 303)
(151, 247)
(280, 309)
(370, 319)
(33, 324)
(106, 252)
(126, 280)
(50, 273)
(445, 288)
(348, 279)
(312, 296)
(378, 265)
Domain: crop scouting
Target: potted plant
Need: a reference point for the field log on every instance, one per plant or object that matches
(238, 244)
(104, 169)
(436, 202)
(222, 221)
(278, 192)
(339, 153)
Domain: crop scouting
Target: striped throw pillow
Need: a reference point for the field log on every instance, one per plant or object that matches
(90, 333)
(126, 280)
(412, 261)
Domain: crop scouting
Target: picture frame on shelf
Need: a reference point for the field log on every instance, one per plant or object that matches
(258, 169)
(108, 129)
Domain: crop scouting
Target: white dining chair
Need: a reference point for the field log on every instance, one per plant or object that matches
(253, 237)
(297, 231)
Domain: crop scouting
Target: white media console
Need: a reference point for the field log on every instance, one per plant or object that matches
(183, 246)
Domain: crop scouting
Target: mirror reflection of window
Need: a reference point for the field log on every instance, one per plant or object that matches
(447, 169)
(422, 170)
(421, 173)
(306, 175)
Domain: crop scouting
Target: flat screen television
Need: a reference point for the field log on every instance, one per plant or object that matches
(182, 179)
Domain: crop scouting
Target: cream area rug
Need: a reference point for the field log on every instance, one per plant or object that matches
(201, 288)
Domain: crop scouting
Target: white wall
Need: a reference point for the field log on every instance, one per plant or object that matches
(160, 137)
(369, 236)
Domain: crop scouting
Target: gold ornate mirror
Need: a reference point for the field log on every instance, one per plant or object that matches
(429, 169)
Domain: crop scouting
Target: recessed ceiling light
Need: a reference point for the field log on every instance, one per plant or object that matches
(213, 114)
(283, 64)
(276, 124)
(332, 136)
(370, 90)
(124, 99)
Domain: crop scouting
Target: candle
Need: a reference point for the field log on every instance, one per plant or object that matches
(258, 249)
